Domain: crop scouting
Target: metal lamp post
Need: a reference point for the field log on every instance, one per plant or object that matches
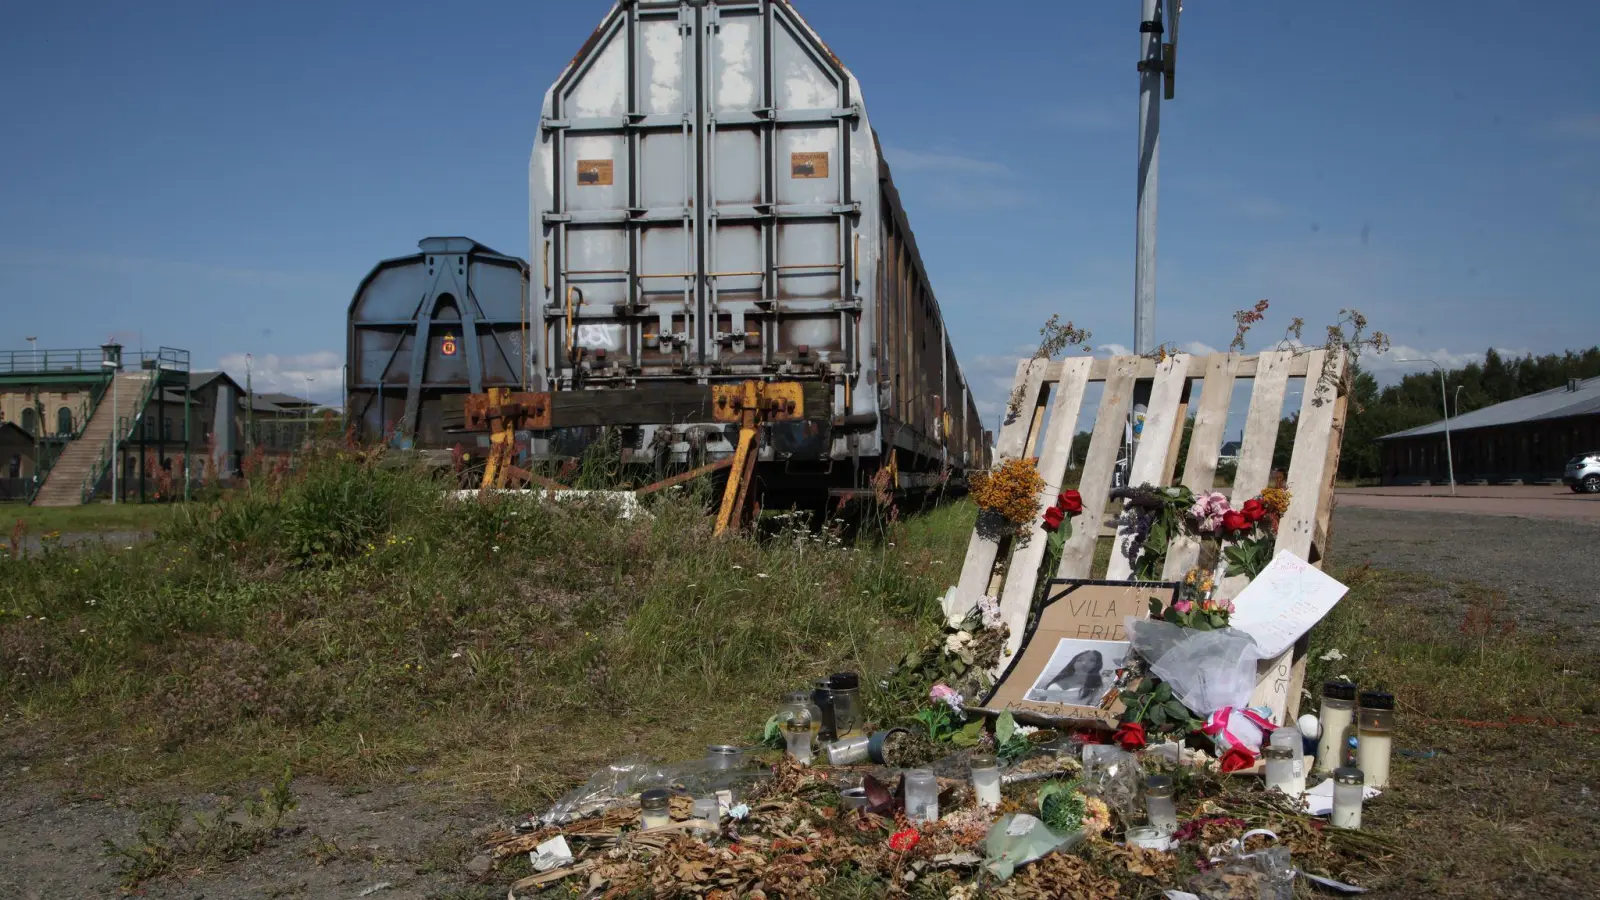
(1458, 399)
(1444, 400)
(116, 444)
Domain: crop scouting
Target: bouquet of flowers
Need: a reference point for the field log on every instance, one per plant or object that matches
(1197, 606)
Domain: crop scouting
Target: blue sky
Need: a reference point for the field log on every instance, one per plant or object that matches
(219, 177)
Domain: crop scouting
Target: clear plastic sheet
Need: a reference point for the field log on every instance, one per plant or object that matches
(622, 781)
(1265, 874)
(1208, 670)
(1113, 775)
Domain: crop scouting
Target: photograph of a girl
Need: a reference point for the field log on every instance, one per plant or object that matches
(1080, 673)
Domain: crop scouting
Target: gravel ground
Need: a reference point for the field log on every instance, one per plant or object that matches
(1546, 568)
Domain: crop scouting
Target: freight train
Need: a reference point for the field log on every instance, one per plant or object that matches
(709, 205)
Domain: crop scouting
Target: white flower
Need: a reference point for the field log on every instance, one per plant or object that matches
(1332, 655)
(957, 642)
(1025, 730)
(456, 655)
(495, 549)
(737, 568)
(761, 575)
(989, 607)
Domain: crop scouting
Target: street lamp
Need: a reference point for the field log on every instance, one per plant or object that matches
(1444, 399)
(1458, 399)
(116, 443)
(33, 349)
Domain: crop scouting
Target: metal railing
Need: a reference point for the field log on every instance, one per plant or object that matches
(13, 362)
(120, 428)
(88, 359)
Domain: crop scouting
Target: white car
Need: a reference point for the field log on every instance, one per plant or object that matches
(1583, 473)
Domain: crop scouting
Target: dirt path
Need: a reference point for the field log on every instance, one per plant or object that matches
(393, 842)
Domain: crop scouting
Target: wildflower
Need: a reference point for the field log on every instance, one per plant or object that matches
(737, 568)
(1096, 815)
(1024, 730)
(495, 549)
(1332, 655)
(456, 655)
(1276, 500)
(902, 841)
(761, 575)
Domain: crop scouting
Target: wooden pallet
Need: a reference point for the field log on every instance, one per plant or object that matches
(1000, 565)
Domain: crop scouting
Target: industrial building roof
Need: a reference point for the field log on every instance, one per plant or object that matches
(1580, 398)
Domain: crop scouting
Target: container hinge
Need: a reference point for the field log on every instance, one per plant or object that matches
(847, 209)
(847, 306)
(553, 218)
(853, 111)
(764, 112)
(554, 124)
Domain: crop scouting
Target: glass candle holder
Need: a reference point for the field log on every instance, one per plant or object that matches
(846, 704)
(986, 779)
(1279, 769)
(1338, 711)
(797, 733)
(922, 796)
(1159, 809)
(1375, 736)
(822, 699)
(849, 751)
(1347, 794)
(653, 808)
(724, 757)
(709, 809)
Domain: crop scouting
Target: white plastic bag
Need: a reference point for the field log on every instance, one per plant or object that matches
(1208, 670)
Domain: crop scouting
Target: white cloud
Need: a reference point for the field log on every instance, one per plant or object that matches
(271, 373)
(953, 180)
(1390, 367)
(935, 161)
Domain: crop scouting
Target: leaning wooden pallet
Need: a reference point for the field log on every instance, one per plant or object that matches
(1006, 564)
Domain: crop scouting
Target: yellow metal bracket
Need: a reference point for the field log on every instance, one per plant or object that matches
(503, 412)
(751, 404)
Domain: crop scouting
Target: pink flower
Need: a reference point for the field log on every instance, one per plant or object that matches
(1208, 511)
(1183, 606)
(943, 693)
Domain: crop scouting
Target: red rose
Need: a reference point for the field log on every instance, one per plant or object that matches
(1071, 501)
(1052, 518)
(1129, 735)
(1253, 510)
(1233, 520)
(902, 841)
(1237, 758)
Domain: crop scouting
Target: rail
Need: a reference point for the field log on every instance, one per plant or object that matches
(119, 429)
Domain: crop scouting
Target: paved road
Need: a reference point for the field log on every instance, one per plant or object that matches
(1546, 567)
(1557, 502)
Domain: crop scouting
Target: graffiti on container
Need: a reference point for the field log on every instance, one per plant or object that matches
(599, 337)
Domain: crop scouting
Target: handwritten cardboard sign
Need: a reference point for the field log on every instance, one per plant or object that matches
(1076, 614)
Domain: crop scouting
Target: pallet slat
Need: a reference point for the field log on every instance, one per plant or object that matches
(1022, 576)
(984, 548)
(1098, 464)
(1205, 446)
(1150, 462)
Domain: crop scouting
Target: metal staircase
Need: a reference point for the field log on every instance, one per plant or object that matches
(72, 479)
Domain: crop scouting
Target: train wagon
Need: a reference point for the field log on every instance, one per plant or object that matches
(709, 204)
(428, 329)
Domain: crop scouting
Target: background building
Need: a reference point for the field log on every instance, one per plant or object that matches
(1527, 440)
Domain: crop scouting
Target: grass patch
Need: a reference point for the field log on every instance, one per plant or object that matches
(168, 843)
(351, 622)
(1492, 791)
(89, 518)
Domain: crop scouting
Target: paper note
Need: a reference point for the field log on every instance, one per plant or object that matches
(1283, 602)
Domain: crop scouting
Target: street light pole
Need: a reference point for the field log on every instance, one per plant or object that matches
(1458, 399)
(1444, 400)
